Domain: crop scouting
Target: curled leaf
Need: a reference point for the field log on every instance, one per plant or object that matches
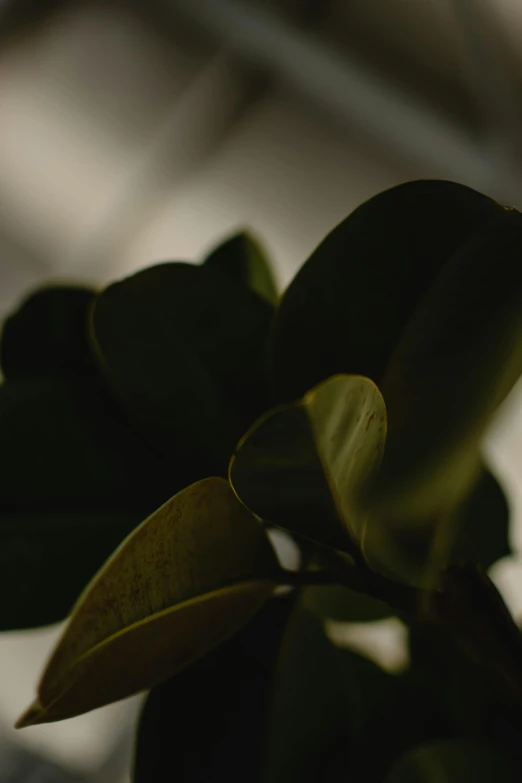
(185, 580)
(301, 466)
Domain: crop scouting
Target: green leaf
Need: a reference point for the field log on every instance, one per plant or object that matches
(323, 696)
(47, 335)
(456, 362)
(347, 307)
(242, 258)
(65, 449)
(410, 713)
(452, 761)
(483, 525)
(182, 349)
(184, 581)
(336, 602)
(209, 721)
(301, 466)
(47, 559)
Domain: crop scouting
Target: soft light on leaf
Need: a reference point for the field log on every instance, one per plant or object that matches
(185, 580)
(242, 258)
(301, 466)
(346, 309)
(457, 360)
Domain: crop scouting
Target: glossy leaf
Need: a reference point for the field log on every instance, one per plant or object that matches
(452, 761)
(47, 335)
(347, 307)
(456, 362)
(301, 466)
(185, 580)
(182, 348)
(241, 258)
(323, 696)
(209, 722)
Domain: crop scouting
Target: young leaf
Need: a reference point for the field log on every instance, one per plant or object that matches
(347, 307)
(217, 730)
(301, 466)
(184, 581)
(242, 258)
(456, 362)
(451, 760)
(182, 349)
(47, 335)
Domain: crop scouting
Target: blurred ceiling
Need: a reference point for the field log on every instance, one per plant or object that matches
(113, 112)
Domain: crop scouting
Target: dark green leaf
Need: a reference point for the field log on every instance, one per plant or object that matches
(336, 602)
(456, 362)
(64, 450)
(301, 466)
(183, 349)
(241, 258)
(483, 524)
(323, 697)
(346, 309)
(47, 559)
(47, 335)
(452, 761)
(75, 481)
(209, 721)
(411, 712)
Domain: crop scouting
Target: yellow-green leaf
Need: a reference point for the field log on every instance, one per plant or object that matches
(301, 466)
(185, 580)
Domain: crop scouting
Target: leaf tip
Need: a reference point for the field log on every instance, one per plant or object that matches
(31, 716)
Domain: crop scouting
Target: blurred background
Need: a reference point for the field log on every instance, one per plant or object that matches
(135, 132)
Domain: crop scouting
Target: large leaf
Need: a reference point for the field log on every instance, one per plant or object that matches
(242, 258)
(456, 362)
(182, 347)
(209, 721)
(301, 466)
(482, 530)
(47, 335)
(64, 449)
(323, 695)
(346, 309)
(75, 481)
(47, 559)
(185, 580)
(452, 761)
